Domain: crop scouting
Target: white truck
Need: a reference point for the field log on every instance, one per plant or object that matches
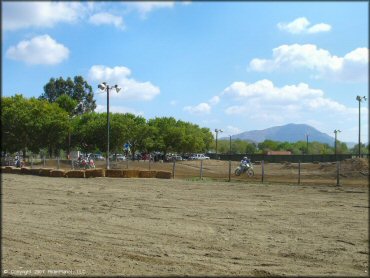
(198, 156)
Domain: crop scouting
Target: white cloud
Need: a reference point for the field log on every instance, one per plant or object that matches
(19, 15)
(296, 26)
(146, 7)
(352, 67)
(214, 100)
(264, 102)
(117, 109)
(300, 25)
(321, 27)
(104, 18)
(39, 50)
(266, 90)
(202, 108)
(120, 75)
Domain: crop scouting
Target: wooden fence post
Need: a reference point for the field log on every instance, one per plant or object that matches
(201, 169)
(263, 170)
(44, 162)
(58, 163)
(338, 169)
(299, 172)
(229, 170)
(173, 169)
(149, 163)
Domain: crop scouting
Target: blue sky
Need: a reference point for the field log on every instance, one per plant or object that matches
(235, 66)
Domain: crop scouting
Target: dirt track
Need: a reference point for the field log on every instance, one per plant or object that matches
(107, 226)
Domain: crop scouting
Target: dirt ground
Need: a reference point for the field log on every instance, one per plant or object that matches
(116, 226)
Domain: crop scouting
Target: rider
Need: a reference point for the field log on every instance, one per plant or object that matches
(245, 160)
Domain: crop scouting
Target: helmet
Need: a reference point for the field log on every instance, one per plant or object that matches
(245, 158)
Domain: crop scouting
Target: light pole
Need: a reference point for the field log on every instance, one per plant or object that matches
(359, 99)
(105, 87)
(217, 131)
(230, 144)
(307, 143)
(335, 142)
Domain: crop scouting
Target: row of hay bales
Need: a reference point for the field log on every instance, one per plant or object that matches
(88, 173)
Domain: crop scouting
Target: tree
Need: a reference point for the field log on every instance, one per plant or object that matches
(77, 89)
(364, 149)
(67, 103)
(268, 145)
(32, 124)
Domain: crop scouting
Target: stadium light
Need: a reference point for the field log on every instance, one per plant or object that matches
(105, 87)
(359, 99)
(335, 142)
(217, 131)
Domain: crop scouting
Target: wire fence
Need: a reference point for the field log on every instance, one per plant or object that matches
(354, 171)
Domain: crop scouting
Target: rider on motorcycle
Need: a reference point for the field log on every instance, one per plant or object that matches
(245, 167)
(245, 161)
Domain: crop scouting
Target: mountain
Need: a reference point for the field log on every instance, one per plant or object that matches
(289, 133)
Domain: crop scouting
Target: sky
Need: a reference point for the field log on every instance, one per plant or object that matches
(234, 66)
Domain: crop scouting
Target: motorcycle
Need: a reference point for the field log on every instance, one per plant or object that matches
(84, 163)
(245, 168)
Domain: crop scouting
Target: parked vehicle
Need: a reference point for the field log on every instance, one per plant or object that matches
(245, 167)
(198, 156)
(98, 156)
(174, 157)
(118, 157)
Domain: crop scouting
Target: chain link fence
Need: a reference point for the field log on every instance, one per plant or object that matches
(353, 171)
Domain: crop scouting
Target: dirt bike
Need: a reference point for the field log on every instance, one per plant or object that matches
(245, 168)
(84, 164)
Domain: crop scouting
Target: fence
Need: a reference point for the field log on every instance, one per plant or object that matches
(353, 171)
(286, 158)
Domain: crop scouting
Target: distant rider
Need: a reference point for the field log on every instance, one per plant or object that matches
(245, 160)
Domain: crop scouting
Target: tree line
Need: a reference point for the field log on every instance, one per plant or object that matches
(36, 124)
(238, 146)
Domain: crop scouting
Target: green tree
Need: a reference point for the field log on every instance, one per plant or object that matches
(364, 149)
(268, 145)
(31, 124)
(77, 89)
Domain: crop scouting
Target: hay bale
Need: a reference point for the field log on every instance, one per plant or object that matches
(130, 173)
(114, 173)
(163, 175)
(92, 173)
(7, 169)
(16, 171)
(35, 171)
(26, 171)
(147, 174)
(75, 174)
(57, 173)
(45, 172)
